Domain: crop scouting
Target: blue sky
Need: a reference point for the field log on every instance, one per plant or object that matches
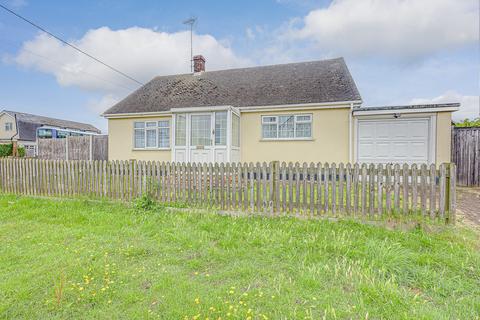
(399, 51)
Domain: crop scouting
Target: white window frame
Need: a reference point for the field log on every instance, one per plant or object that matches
(168, 127)
(8, 126)
(295, 122)
(154, 128)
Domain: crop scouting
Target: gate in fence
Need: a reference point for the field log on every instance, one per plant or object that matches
(309, 189)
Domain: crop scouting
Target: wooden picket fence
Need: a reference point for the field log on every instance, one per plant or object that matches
(309, 189)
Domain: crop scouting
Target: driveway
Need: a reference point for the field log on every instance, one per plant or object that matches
(468, 204)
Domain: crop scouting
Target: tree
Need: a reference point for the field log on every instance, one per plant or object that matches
(468, 123)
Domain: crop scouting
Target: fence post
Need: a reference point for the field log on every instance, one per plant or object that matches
(90, 154)
(449, 194)
(273, 192)
(66, 147)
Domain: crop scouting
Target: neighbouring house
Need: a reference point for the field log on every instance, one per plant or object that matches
(25, 129)
(306, 112)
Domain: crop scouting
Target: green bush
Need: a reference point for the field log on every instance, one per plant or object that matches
(468, 123)
(6, 150)
(144, 203)
(21, 152)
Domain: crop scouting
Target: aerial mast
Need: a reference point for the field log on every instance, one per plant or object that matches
(191, 21)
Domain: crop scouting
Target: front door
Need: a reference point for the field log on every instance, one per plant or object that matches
(201, 138)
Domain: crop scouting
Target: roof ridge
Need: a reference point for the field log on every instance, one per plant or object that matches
(40, 116)
(252, 67)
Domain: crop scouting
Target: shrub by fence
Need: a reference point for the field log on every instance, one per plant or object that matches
(312, 190)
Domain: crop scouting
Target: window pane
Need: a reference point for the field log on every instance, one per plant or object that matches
(151, 138)
(304, 130)
(286, 127)
(62, 134)
(44, 133)
(139, 125)
(164, 124)
(139, 138)
(235, 130)
(221, 128)
(268, 119)
(269, 131)
(180, 130)
(151, 124)
(304, 118)
(201, 130)
(164, 137)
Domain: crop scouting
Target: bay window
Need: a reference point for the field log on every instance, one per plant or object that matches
(287, 127)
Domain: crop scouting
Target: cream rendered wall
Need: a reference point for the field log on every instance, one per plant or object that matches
(120, 141)
(444, 137)
(7, 135)
(330, 130)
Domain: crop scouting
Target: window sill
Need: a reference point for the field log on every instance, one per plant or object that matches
(151, 149)
(287, 139)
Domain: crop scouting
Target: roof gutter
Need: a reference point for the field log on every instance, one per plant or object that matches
(293, 106)
(368, 112)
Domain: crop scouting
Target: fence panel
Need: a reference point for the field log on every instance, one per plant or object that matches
(270, 189)
(74, 148)
(466, 155)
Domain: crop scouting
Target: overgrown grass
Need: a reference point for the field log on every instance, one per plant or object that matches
(81, 259)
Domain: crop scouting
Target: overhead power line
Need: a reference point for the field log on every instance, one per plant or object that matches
(70, 45)
(64, 66)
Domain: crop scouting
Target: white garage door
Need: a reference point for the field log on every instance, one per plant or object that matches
(394, 141)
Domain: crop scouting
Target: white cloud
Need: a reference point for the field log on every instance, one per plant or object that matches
(139, 52)
(469, 105)
(100, 105)
(250, 33)
(394, 28)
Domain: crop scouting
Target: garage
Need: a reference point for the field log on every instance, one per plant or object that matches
(395, 140)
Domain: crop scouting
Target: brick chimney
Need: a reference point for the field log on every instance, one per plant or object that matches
(198, 63)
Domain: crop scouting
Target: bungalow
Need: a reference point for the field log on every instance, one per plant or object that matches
(25, 128)
(306, 112)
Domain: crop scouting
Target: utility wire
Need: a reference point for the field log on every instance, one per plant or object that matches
(69, 44)
(53, 62)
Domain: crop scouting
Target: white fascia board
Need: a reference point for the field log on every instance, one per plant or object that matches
(402, 111)
(169, 112)
(303, 106)
(6, 113)
(200, 109)
(137, 114)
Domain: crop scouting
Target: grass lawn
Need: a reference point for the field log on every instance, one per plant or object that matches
(80, 259)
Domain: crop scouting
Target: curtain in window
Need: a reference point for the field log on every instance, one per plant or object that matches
(201, 130)
(164, 134)
(286, 126)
